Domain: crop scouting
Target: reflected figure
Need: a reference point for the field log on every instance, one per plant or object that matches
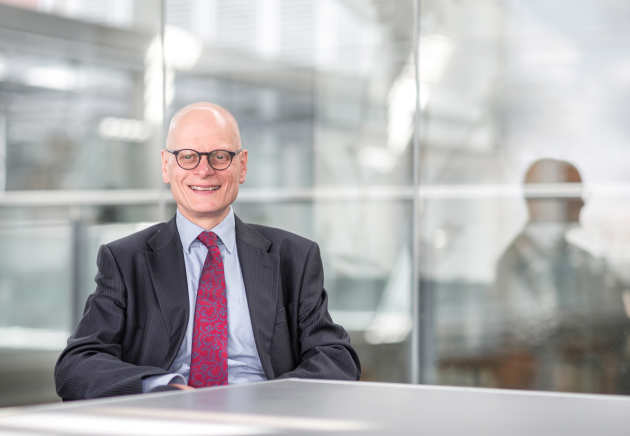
(562, 319)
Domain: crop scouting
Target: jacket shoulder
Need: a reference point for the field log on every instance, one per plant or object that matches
(280, 236)
(137, 240)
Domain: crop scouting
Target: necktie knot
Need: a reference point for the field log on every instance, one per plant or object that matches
(209, 239)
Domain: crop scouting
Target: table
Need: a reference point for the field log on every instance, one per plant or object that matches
(313, 407)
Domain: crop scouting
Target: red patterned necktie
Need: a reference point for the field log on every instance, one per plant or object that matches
(208, 362)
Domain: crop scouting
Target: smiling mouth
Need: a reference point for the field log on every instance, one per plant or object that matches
(205, 188)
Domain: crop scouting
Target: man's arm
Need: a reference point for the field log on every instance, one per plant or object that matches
(92, 364)
(325, 350)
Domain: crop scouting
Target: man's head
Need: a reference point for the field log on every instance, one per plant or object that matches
(204, 194)
(544, 171)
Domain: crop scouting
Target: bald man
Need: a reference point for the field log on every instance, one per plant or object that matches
(204, 299)
(560, 316)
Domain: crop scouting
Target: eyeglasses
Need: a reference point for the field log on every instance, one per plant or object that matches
(188, 159)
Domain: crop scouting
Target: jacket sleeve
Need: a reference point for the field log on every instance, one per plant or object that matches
(324, 347)
(92, 364)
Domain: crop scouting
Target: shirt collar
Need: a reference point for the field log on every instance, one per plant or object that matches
(225, 230)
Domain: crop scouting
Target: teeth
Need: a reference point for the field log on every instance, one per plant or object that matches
(204, 188)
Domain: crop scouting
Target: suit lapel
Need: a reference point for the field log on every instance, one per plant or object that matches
(168, 272)
(260, 275)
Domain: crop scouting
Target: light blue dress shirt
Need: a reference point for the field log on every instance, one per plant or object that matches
(243, 361)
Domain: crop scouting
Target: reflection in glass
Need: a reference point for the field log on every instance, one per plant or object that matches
(562, 324)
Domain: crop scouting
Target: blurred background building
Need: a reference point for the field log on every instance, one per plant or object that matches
(395, 133)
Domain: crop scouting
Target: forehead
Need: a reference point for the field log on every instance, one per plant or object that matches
(203, 128)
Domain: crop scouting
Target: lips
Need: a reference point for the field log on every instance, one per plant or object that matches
(204, 188)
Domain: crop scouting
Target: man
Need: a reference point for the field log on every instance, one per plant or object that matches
(204, 299)
(562, 320)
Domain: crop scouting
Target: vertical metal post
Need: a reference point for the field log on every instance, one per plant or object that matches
(76, 264)
(416, 335)
(163, 196)
(3, 153)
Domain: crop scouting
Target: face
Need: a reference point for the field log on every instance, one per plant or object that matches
(204, 195)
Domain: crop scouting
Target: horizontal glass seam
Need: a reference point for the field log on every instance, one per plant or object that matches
(429, 192)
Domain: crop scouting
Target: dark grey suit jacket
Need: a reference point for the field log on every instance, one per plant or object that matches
(135, 321)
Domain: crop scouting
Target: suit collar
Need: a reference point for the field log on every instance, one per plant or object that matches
(248, 235)
(168, 272)
(166, 236)
(260, 269)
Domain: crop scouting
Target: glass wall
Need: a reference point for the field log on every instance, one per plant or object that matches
(459, 163)
(524, 188)
(78, 139)
(311, 85)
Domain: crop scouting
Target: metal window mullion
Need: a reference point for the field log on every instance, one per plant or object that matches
(417, 344)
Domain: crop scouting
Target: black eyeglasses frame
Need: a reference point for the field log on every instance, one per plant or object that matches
(204, 153)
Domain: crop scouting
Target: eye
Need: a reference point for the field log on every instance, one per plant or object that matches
(187, 156)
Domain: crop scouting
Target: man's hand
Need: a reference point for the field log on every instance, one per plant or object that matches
(182, 387)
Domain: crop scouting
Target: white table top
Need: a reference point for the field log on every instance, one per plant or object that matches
(330, 408)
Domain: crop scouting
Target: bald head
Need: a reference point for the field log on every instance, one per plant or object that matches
(203, 117)
(545, 171)
(552, 171)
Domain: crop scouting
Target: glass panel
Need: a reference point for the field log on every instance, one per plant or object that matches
(523, 210)
(113, 13)
(78, 99)
(80, 83)
(324, 91)
(324, 95)
(59, 244)
(29, 303)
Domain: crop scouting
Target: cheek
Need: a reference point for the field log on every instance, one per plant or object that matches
(175, 182)
(170, 174)
(237, 180)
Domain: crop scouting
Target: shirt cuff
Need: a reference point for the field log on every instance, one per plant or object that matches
(150, 383)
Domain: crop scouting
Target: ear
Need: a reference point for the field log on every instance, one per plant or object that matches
(165, 175)
(243, 170)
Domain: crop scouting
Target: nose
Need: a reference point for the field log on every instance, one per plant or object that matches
(204, 167)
